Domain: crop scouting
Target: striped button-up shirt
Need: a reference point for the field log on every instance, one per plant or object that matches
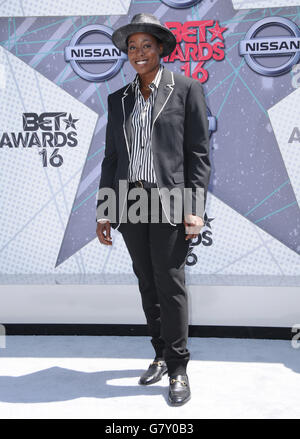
(141, 160)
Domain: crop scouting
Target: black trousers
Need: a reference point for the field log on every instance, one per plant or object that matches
(158, 252)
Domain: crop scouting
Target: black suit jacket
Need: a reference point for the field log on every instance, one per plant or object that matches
(180, 141)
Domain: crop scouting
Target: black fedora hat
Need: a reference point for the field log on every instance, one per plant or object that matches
(148, 23)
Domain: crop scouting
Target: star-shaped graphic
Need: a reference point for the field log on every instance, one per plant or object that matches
(207, 221)
(217, 31)
(247, 192)
(70, 122)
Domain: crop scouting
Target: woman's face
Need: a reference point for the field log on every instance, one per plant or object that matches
(143, 52)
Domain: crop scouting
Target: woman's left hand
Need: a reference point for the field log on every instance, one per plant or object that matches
(193, 225)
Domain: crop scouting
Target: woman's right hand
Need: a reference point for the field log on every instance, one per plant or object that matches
(104, 232)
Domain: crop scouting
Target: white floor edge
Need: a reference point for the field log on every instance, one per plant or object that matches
(92, 377)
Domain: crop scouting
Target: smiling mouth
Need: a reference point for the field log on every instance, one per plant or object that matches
(141, 62)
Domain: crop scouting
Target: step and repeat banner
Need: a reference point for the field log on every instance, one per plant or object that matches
(57, 67)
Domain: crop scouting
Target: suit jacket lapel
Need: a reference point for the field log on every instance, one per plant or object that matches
(165, 88)
(127, 105)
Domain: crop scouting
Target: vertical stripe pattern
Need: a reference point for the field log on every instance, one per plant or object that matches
(141, 161)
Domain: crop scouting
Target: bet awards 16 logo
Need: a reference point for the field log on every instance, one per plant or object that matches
(204, 238)
(46, 131)
(197, 47)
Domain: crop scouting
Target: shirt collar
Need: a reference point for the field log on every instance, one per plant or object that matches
(154, 83)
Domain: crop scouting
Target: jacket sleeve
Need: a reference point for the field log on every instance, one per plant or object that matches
(196, 146)
(109, 162)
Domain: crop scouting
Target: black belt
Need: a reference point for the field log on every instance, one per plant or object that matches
(141, 183)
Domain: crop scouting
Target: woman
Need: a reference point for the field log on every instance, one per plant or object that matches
(157, 138)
